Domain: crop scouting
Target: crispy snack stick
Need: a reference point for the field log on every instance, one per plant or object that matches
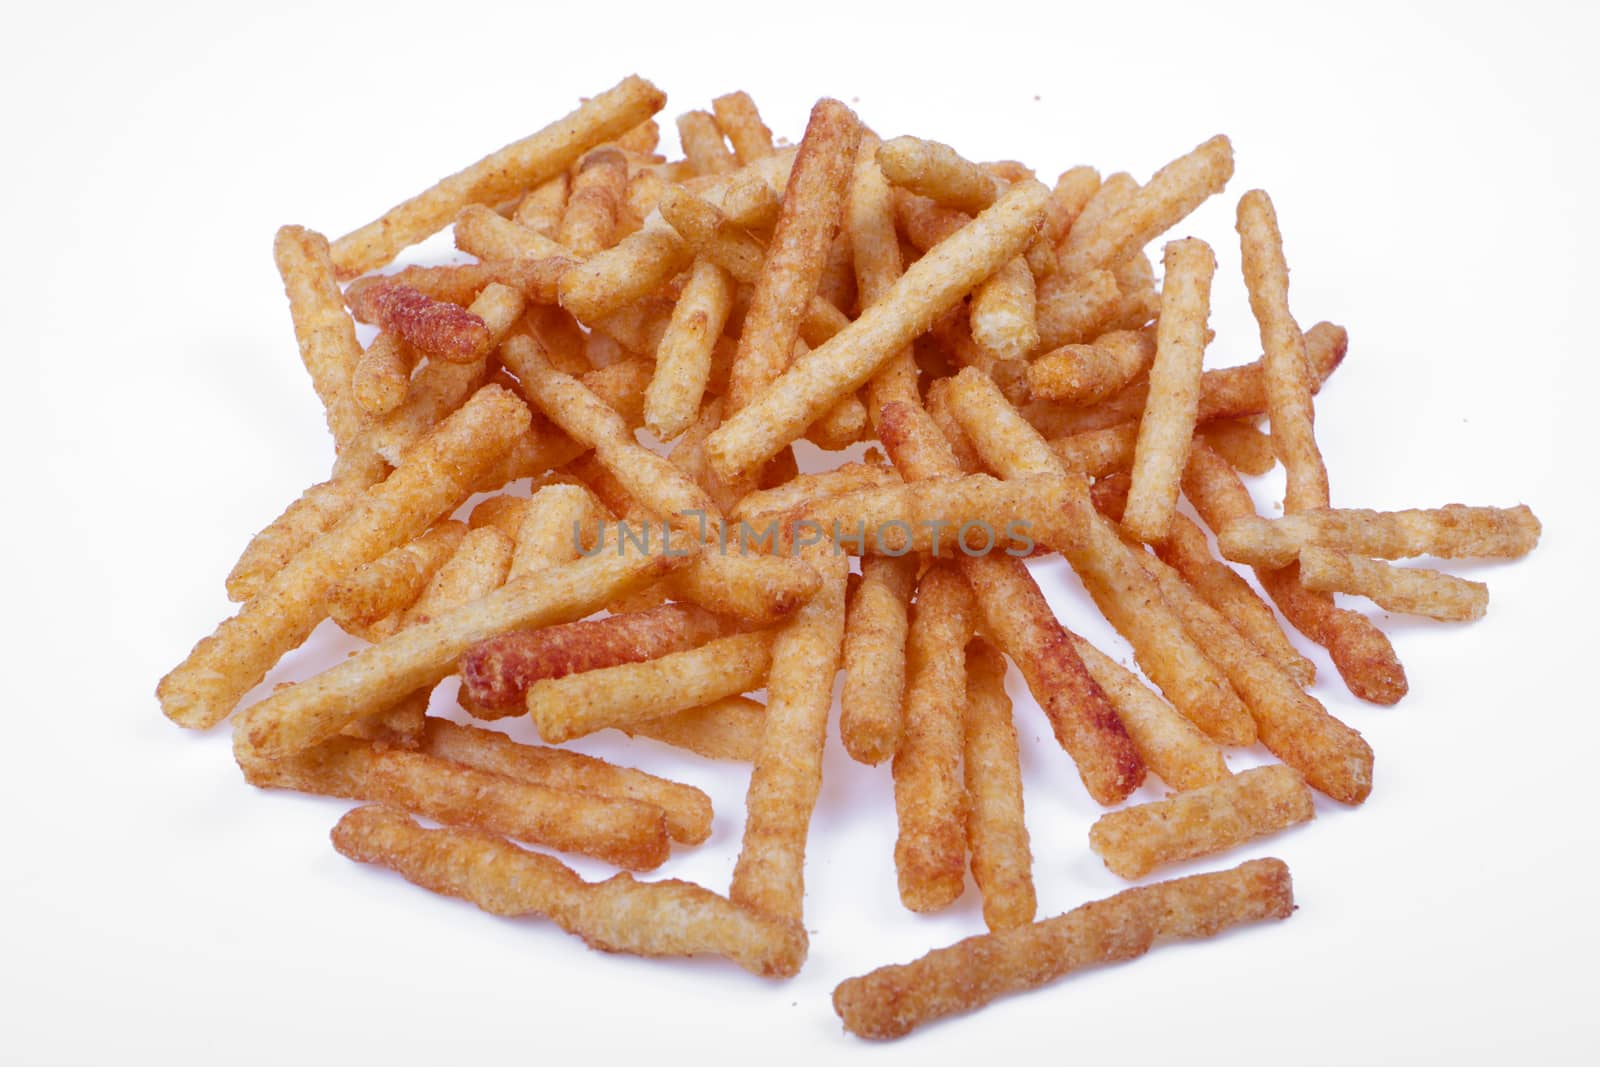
(930, 851)
(997, 837)
(703, 145)
(1120, 588)
(667, 918)
(804, 489)
(1361, 653)
(594, 206)
(541, 210)
(769, 875)
(1173, 191)
(1075, 309)
(938, 172)
(398, 727)
(683, 359)
(304, 714)
(561, 523)
(892, 1001)
(1111, 196)
(1174, 395)
(312, 514)
(478, 567)
(457, 283)
(1098, 453)
(795, 259)
(1086, 374)
(519, 166)
(751, 203)
(1414, 591)
(623, 274)
(741, 124)
(1072, 193)
(1018, 620)
(326, 336)
(931, 286)
(394, 580)
(485, 233)
(577, 704)
(1004, 312)
(1247, 449)
(382, 375)
(1201, 822)
(687, 809)
(1169, 744)
(727, 729)
(872, 706)
(1454, 531)
(876, 260)
(435, 477)
(434, 328)
(496, 673)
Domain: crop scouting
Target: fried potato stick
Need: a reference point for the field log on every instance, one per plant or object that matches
(727, 729)
(804, 489)
(514, 168)
(1074, 309)
(541, 210)
(382, 375)
(435, 477)
(476, 568)
(666, 918)
(769, 875)
(1414, 591)
(1247, 449)
(1086, 374)
(938, 172)
(741, 124)
(312, 514)
(931, 286)
(393, 581)
(561, 523)
(872, 706)
(687, 809)
(1201, 822)
(894, 1000)
(1072, 193)
(1454, 531)
(326, 336)
(683, 359)
(434, 328)
(594, 207)
(1174, 396)
(930, 851)
(703, 145)
(997, 837)
(623, 274)
(1004, 312)
(577, 704)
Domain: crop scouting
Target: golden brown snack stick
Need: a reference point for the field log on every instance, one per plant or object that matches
(642, 141)
(875, 258)
(1414, 591)
(1018, 619)
(484, 233)
(703, 145)
(628, 271)
(1201, 822)
(938, 172)
(514, 168)
(324, 332)
(741, 123)
(727, 729)
(394, 580)
(1072, 193)
(594, 206)
(1455, 531)
(795, 259)
(398, 727)
(434, 328)
(1172, 192)
(751, 203)
(476, 568)
(1005, 312)
(1098, 453)
(1247, 449)
(435, 477)
(1288, 378)
(924, 222)
(561, 523)
(1364, 658)
(666, 918)
(872, 706)
(931, 286)
(503, 512)
(683, 359)
(1169, 744)
(310, 711)
(577, 704)
(997, 837)
(1086, 374)
(894, 1000)
(1124, 593)
(382, 375)
(769, 875)
(1076, 308)
(312, 514)
(1138, 300)
(541, 210)
(1174, 396)
(457, 283)
(805, 488)
(930, 851)
(496, 672)
(687, 809)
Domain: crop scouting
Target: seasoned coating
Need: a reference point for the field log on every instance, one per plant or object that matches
(382, 375)
(938, 172)
(561, 523)
(872, 705)
(894, 1000)
(594, 207)
(434, 328)
(683, 359)
(1005, 320)
(1201, 822)
(1088, 373)
(1414, 591)
(703, 145)
(1075, 309)
(666, 918)
(1247, 449)
(541, 210)
(623, 274)
(727, 729)
(478, 567)
(1072, 192)
(806, 489)
(394, 580)
(1454, 531)
(326, 336)
(313, 513)
(741, 124)
(997, 837)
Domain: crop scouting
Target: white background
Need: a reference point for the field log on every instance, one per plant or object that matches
(1433, 169)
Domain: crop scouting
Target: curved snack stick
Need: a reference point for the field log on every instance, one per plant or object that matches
(394, 580)
(476, 568)
(1414, 591)
(435, 477)
(1088, 373)
(892, 1001)
(501, 175)
(702, 143)
(1072, 193)
(667, 918)
(1201, 822)
(938, 172)
(727, 729)
(1454, 531)
(1074, 309)
(769, 875)
(326, 336)
(599, 187)
(313, 513)
(434, 328)
(562, 521)
(623, 274)
(1004, 312)
(683, 359)
(930, 287)
(382, 376)
(997, 837)
(741, 123)
(578, 704)
(872, 706)
(929, 796)
(688, 810)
